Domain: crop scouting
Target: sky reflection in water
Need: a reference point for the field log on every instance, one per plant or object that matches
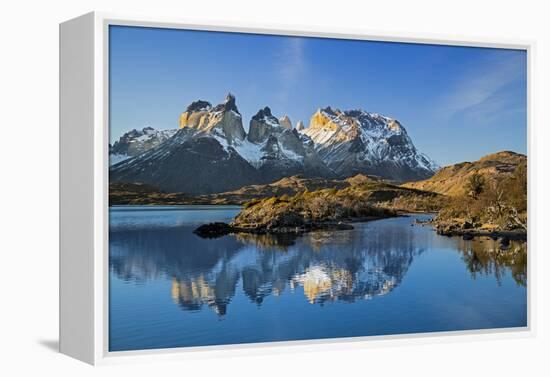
(171, 288)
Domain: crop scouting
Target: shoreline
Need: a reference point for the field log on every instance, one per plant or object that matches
(216, 229)
(469, 234)
(457, 229)
(219, 229)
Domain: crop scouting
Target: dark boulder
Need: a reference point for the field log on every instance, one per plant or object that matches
(199, 106)
(213, 230)
(467, 225)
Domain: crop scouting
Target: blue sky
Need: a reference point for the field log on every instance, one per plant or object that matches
(457, 103)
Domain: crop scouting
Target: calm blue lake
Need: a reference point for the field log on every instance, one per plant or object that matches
(171, 288)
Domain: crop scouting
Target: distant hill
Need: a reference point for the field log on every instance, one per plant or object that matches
(371, 189)
(137, 193)
(451, 180)
(286, 186)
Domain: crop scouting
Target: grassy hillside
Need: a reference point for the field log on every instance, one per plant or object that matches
(286, 186)
(363, 198)
(143, 194)
(380, 191)
(451, 180)
(498, 204)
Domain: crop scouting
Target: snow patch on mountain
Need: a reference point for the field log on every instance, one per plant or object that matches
(116, 158)
(136, 142)
(355, 140)
(336, 143)
(251, 152)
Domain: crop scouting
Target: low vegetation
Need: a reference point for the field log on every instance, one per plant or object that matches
(496, 205)
(307, 208)
(121, 193)
(361, 198)
(451, 180)
(383, 194)
(365, 198)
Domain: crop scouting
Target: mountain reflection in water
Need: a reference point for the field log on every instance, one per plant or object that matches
(171, 288)
(327, 266)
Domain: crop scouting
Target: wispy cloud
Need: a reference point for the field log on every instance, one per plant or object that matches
(290, 66)
(489, 91)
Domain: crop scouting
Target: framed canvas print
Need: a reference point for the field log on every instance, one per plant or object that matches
(224, 187)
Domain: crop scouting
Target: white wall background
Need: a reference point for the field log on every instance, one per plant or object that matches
(29, 188)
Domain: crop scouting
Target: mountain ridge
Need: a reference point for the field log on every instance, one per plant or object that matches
(136, 142)
(336, 144)
(356, 141)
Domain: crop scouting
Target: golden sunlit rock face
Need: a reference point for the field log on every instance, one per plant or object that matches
(332, 124)
(354, 141)
(223, 119)
(321, 121)
(395, 126)
(198, 120)
(229, 123)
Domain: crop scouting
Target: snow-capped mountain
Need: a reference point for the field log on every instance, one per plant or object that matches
(223, 121)
(356, 141)
(211, 152)
(278, 151)
(135, 142)
(191, 161)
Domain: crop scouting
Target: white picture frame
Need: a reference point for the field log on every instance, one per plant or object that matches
(84, 140)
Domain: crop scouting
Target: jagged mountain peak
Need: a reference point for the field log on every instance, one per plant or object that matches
(199, 105)
(229, 104)
(229, 98)
(337, 143)
(263, 114)
(191, 161)
(278, 150)
(285, 122)
(327, 119)
(262, 125)
(223, 120)
(135, 142)
(356, 141)
(335, 119)
(329, 110)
